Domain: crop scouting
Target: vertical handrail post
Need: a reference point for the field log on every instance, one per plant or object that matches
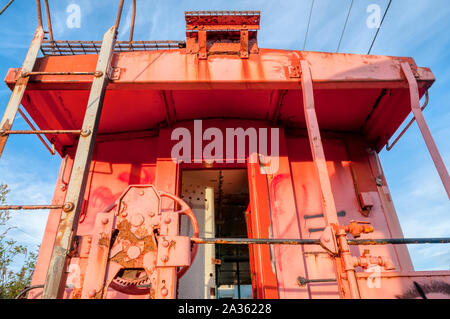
(329, 206)
(420, 119)
(77, 184)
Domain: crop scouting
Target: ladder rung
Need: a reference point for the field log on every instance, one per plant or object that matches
(8, 132)
(30, 207)
(96, 73)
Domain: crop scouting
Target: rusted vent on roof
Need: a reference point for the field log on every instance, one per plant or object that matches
(222, 32)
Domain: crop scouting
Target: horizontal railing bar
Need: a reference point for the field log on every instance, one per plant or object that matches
(76, 48)
(8, 132)
(96, 73)
(302, 281)
(30, 207)
(263, 241)
(399, 241)
(118, 42)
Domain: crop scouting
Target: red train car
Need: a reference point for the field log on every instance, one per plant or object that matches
(213, 168)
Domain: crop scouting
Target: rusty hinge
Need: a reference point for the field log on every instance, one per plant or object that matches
(215, 261)
(295, 71)
(114, 74)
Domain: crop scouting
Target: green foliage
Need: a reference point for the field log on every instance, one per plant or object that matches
(12, 282)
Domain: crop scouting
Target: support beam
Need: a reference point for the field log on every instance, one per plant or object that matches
(20, 86)
(420, 119)
(329, 206)
(77, 183)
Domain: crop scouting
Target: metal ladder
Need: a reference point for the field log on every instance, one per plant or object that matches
(72, 206)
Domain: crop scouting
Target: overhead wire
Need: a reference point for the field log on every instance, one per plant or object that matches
(6, 6)
(309, 22)
(345, 26)
(379, 27)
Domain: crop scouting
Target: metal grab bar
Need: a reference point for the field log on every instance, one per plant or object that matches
(274, 241)
(389, 147)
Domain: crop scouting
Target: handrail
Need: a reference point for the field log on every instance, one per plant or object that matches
(389, 147)
(39, 13)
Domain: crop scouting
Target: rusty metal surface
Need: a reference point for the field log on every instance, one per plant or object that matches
(39, 13)
(133, 18)
(222, 20)
(8, 132)
(257, 241)
(273, 241)
(30, 207)
(119, 15)
(62, 47)
(26, 74)
(78, 178)
(49, 20)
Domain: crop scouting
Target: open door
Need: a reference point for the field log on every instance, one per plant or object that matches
(263, 270)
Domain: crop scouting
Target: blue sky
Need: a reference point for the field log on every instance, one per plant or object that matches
(419, 29)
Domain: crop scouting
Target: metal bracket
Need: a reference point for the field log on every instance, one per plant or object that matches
(114, 74)
(328, 241)
(294, 71)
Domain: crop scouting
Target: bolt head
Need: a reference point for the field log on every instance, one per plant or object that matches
(164, 291)
(167, 220)
(92, 293)
(124, 214)
(68, 207)
(165, 243)
(105, 221)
